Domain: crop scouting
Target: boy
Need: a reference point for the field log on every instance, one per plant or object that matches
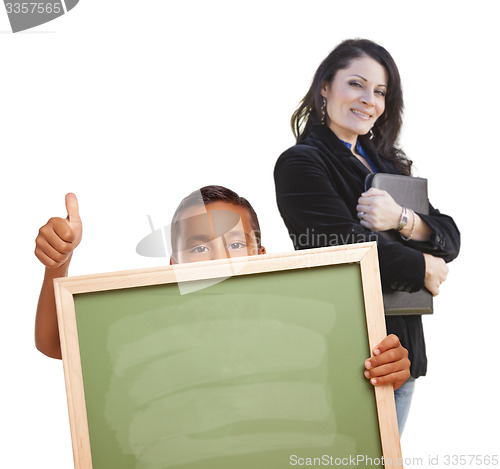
(212, 223)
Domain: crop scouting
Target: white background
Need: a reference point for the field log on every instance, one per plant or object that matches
(132, 105)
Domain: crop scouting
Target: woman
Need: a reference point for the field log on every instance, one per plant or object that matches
(346, 127)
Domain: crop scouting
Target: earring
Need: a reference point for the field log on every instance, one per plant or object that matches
(323, 112)
(371, 134)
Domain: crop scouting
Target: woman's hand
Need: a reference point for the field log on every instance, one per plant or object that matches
(436, 272)
(58, 238)
(378, 211)
(389, 363)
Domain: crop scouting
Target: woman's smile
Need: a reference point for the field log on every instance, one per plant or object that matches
(361, 114)
(355, 98)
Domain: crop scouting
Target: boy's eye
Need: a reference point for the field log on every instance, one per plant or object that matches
(199, 249)
(237, 245)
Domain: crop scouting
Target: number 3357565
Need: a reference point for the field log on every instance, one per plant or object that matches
(29, 7)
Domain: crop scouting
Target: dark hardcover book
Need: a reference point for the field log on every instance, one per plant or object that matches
(411, 193)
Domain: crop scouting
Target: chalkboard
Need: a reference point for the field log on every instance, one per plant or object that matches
(240, 363)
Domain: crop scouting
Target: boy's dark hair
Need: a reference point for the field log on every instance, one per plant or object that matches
(205, 196)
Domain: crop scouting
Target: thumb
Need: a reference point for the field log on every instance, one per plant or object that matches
(72, 208)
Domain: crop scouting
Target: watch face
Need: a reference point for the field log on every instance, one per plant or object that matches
(403, 221)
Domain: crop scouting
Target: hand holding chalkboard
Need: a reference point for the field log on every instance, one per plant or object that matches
(389, 363)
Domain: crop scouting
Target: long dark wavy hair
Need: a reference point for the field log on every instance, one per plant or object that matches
(388, 125)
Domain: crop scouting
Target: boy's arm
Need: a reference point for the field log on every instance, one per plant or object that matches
(46, 329)
(54, 247)
(389, 363)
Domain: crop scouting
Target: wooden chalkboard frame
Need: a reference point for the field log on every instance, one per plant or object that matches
(365, 254)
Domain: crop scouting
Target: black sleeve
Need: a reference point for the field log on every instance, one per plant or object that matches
(317, 216)
(445, 241)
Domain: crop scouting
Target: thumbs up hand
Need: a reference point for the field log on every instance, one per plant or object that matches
(58, 238)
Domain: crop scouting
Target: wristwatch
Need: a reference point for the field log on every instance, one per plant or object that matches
(403, 220)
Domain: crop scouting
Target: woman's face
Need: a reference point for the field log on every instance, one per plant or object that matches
(356, 98)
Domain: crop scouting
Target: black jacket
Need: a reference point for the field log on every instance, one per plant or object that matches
(318, 184)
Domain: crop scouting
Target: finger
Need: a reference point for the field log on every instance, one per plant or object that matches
(48, 256)
(387, 351)
(391, 357)
(59, 253)
(366, 200)
(46, 260)
(389, 342)
(365, 224)
(369, 192)
(361, 214)
(433, 291)
(72, 208)
(57, 228)
(395, 379)
(364, 216)
(363, 207)
(373, 192)
(386, 369)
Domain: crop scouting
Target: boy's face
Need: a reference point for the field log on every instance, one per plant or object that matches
(216, 231)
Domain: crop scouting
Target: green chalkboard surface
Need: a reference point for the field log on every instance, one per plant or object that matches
(262, 369)
(243, 374)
